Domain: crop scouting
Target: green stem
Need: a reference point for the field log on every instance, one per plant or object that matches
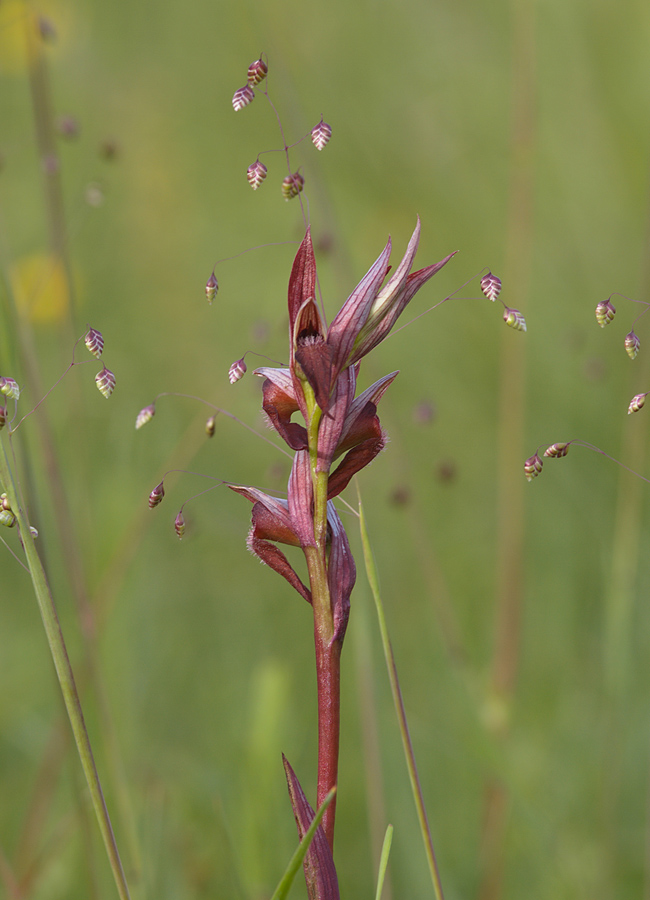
(64, 672)
(399, 707)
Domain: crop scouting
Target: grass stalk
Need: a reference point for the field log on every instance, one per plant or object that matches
(409, 754)
(64, 673)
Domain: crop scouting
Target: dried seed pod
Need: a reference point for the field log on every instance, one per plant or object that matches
(179, 525)
(210, 426)
(105, 381)
(256, 173)
(156, 496)
(211, 288)
(555, 451)
(237, 371)
(145, 415)
(514, 319)
(292, 185)
(636, 403)
(321, 134)
(632, 344)
(605, 312)
(533, 466)
(257, 72)
(491, 286)
(243, 97)
(9, 388)
(94, 341)
(7, 518)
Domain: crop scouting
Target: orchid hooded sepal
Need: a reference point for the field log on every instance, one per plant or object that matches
(271, 522)
(365, 319)
(290, 522)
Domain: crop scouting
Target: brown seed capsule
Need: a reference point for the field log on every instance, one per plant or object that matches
(632, 344)
(94, 341)
(179, 525)
(105, 381)
(210, 426)
(145, 415)
(243, 97)
(514, 319)
(636, 403)
(156, 496)
(237, 371)
(9, 388)
(321, 134)
(555, 451)
(605, 312)
(211, 288)
(256, 173)
(533, 466)
(491, 286)
(292, 185)
(257, 72)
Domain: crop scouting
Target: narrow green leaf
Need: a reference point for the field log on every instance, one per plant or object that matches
(383, 861)
(295, 862)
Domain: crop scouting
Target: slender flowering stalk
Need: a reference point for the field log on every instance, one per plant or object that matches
(339, 428)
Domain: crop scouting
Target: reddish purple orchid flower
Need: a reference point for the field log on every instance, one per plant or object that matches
(320, 384)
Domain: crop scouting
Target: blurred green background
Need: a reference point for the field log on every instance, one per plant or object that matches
(520, 133)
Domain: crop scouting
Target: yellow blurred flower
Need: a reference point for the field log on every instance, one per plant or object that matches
(40, 286)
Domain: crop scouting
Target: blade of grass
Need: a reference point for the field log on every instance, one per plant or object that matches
(373, 580)
(383, 862)
(296, 860)
(64, 673)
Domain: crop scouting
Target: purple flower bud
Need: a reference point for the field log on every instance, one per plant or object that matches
(292, 185)
(179, 525)
(237, 371)
(145, 415)
(156, 496)
(9, 388)
(94, 341)
(605, 312)
(514, 319)
(256, 173)
(210, 426)
(491, 286)
(105, 381)
(211, 288)
(257, 72)
(321, 134)
(555, 451)
(533, 466)
(243, 97)
(636, 403)
(632, 344)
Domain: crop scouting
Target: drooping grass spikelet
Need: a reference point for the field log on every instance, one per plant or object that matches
(605, 312)
(105, 381)
(533, 466)
(94, 341)
(491, 286)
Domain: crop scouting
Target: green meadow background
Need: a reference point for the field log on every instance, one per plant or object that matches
(520, 133)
